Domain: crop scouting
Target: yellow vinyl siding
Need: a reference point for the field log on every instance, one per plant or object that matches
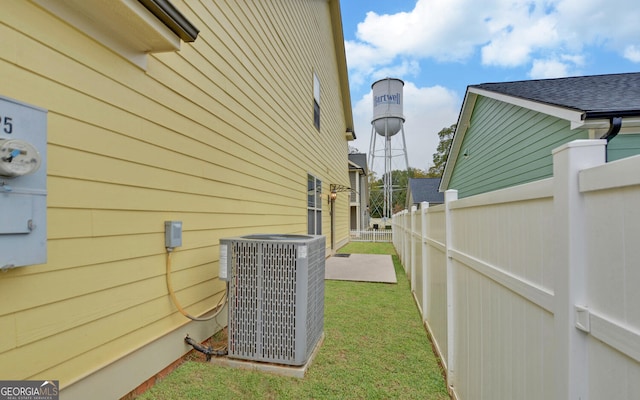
(218, 135)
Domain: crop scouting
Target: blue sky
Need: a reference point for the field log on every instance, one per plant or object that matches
(438, 47)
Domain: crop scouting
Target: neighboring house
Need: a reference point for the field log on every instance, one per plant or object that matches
(506, 131)
(424, 189)
(359, 201)
(232, 117)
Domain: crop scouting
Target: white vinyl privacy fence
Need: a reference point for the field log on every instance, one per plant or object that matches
(533, 292)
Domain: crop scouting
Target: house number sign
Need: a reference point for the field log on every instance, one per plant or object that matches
(6, 124)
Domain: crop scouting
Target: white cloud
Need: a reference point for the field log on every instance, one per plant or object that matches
(556, 67)
(543, 69)
(575, 59)
(513, 46)
(506, 33)
(425, 31)
(611, 23)
(632, 53)
(405, 69)
(364, 60)
(426, 109)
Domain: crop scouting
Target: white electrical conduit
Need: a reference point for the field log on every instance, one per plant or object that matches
(220, 305)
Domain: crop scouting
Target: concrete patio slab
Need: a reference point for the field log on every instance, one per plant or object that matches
(361, 267)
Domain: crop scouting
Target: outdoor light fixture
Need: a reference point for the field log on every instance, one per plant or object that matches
(334, 189)
(332, 196)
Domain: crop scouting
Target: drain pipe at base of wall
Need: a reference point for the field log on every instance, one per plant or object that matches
(173, 238)
(208, 351)
(614, 129)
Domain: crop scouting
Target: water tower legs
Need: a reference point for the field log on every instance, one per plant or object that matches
(393, 152)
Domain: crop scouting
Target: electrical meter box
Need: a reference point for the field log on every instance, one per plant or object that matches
(23, 184)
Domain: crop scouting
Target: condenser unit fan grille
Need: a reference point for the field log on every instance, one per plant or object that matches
(276, 297)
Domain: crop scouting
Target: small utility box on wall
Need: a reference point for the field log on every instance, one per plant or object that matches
(23, 184)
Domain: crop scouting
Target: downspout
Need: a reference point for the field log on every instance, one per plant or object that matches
(614, 129)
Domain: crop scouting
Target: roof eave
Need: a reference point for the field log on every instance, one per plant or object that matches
(570, 114)
(611, 114)
(172, 18)
(356, 167)
(338, 39)
(462, 125)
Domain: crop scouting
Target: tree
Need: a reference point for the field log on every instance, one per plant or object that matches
(400, 178)
(400, 183)
(442, 152)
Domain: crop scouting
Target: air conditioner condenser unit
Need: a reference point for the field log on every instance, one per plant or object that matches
(276, 296)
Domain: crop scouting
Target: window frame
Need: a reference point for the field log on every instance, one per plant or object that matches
(316, 101)
(314, 205)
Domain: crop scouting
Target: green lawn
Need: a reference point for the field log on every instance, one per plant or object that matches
(375, 347)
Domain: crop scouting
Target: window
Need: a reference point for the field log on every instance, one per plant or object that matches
(314, 205)
(316, 101)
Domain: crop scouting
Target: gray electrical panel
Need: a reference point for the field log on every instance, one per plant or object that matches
(23, 184)
(172, 234)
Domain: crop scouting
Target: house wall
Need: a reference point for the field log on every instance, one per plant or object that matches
(364, 202)
(219, 135)
(359, 197)
(507, 145)
(354, 197)
(524, 299)
(622, 146)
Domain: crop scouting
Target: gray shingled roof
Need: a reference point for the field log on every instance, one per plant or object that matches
(598, 96)
(425, 189)
(360, 159)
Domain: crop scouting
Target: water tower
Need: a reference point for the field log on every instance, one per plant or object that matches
(387, 121)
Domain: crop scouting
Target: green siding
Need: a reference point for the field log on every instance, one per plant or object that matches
(623, 146)
(507, 145)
